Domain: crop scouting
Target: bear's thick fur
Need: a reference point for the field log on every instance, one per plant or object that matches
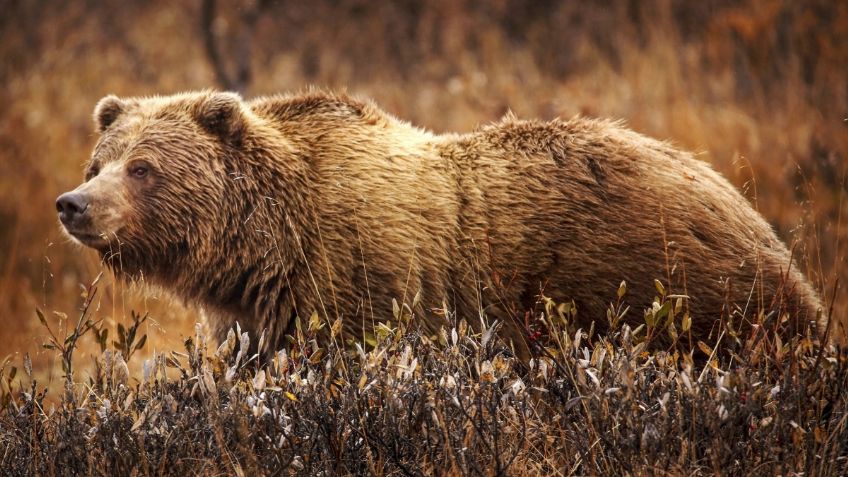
(262, 210)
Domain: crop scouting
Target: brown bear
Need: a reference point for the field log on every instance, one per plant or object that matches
(259, 211)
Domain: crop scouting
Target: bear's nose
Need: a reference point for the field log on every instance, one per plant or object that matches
(70, 205)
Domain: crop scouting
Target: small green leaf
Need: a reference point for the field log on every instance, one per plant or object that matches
(672, 331)
(369, 339)
(314, 322)
(384, 331)
(563, 310)
(650, 318)
(663, 312)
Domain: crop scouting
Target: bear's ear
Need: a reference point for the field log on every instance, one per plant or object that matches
(221, 114)
(107, 111)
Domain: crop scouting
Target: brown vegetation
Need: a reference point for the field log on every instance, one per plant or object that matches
(758, 86)
(451, 404)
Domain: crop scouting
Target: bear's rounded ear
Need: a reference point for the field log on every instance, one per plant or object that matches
(107, 111)
(221, 114)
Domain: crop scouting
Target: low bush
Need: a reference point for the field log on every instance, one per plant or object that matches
(458, 402)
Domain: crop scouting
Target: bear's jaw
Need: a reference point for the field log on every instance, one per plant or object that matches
(123, 266)
(134, 264)
(95, 241)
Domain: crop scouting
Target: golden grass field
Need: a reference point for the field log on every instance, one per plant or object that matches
(759, 88)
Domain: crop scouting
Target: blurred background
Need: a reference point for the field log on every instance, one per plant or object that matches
(759, 88)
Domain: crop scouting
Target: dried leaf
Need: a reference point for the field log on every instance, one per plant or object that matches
(138, 422)
(336, 328)
(686, 323)
(259, 380)
(120, 370)
(660, 288)
(225, 350)
(41, 316)
(141, 342)
(416, 299)
(314, 322)
(208, 382)
(28, 365)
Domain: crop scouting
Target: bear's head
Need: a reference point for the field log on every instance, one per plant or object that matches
(156, 182)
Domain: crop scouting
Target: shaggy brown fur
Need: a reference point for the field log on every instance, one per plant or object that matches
(261, 210)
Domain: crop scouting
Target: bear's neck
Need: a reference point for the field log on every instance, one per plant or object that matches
(248, 276)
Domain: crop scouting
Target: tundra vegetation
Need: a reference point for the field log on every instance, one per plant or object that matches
(126, 384)
(404, 403)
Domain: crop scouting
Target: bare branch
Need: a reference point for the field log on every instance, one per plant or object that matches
(207, 18)
(240, 79)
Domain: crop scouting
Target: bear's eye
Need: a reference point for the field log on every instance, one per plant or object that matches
(139, 170)
(92, 173)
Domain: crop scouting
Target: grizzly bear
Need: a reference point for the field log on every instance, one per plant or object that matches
(260, 211)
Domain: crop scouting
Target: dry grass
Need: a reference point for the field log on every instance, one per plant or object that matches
(453, 403)
(757, 86)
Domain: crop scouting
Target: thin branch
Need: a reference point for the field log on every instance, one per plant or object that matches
(241, 78)
(207, 17)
